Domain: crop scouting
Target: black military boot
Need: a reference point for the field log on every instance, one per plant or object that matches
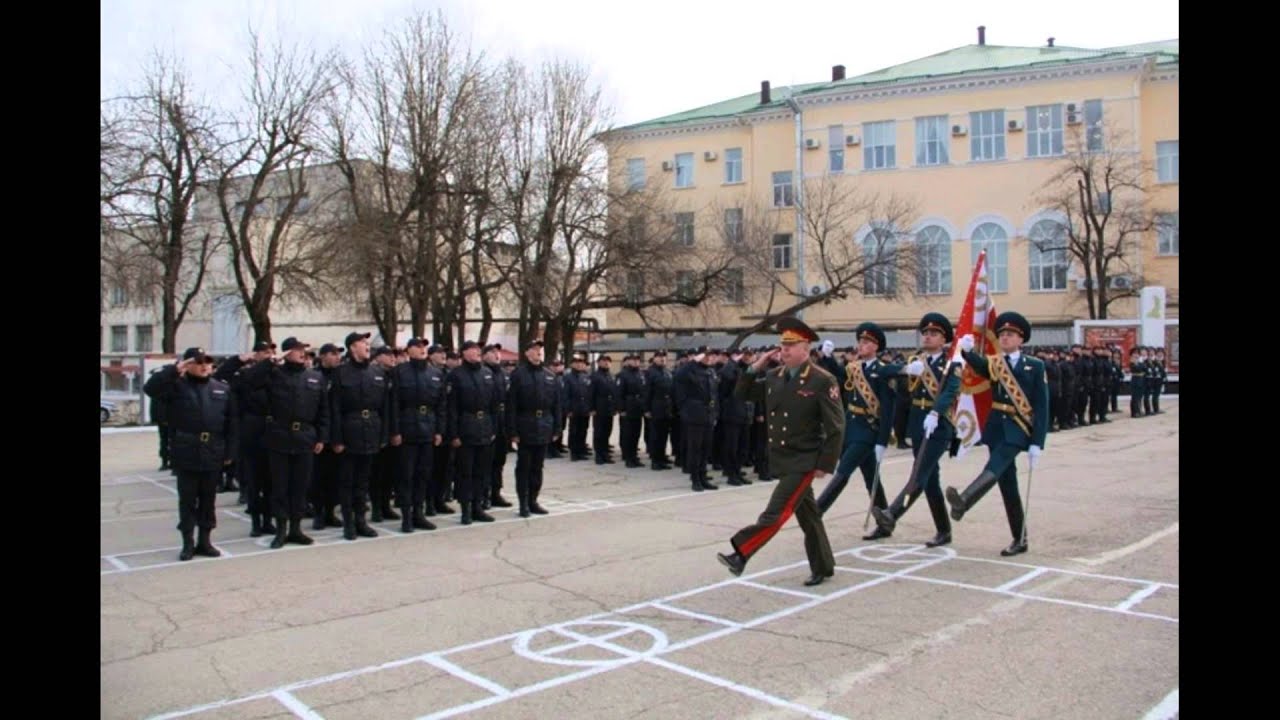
(536, 488)
(479, 515)
(282, 530)
(231, 485)
(887, 518)
(268, 527)
(377, 511)
(522, 495)
(406, 521)
(188, 546)
(1013, 509)
(734, 561)
(707, 484)
(941, 522)
(466, 513)
(496, 500)
(961, 502)
(878, 502)
(362, 527)
(831, 492)
(204, 547)
(255, 528)
(348, 524)
(296, 535)
(387, 511)
(331, 520)
(318, 522)
(442, 507)
(419, 521)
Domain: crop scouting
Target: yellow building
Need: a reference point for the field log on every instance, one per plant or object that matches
(966, 137)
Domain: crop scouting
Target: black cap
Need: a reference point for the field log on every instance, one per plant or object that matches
(556, 361)
(452, 355)
(579, 357)
(469, 344)
(533, 344)
(263, 345)
(1017, 323)
(383, 350)
(939, 322)
(416, 342)
(794, 330)
(871, 331)
(291, 343)
(355, 336)
(494, 346)
(435, 349)
(327, 348)
(194, 353)
(660, 353)
(603, 358)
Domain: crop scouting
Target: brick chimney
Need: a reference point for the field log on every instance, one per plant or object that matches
(982, 34)
(1050, 42)
(765, 98)
(837, 73)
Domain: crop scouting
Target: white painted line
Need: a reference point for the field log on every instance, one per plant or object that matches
(225, 552)
(784, 591)
(587, 641)
(464, 674)
(115, 561)
(742, 689)
(162, 487)
(1118, 553)
(127, 430)
(237, 515)
(296, 706)
(1094, 576)
(1166, 710)
(1138, 597)
(527, 690)
(1021, 579)
(696, 615)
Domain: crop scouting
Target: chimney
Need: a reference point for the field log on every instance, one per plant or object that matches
(1050, 42)
(982, 34)
(764, 93)
(837, 73)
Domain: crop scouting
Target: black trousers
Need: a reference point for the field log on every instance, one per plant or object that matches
(658, 430)
(197, 490)
(578, 435)
(678, 444)
(716, 452)
(733, 449)
(1098, 405)
(697, 449)
(385, 476)
(529, 460)
(255, 479)
(443, 472)
(629, 438)
(162, 431)
(501, 447)
(474, 464)
(324, 485)
(414, 475)
(354, 472)
(601, 429)
(290, 477)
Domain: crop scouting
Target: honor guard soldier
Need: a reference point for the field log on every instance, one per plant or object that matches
(203, 417)
(1019, 420)
(806, 428)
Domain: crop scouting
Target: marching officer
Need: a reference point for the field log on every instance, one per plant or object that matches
(1019, 420)
(202, 414)
(533, 422)
(472, 395)
(363, 422)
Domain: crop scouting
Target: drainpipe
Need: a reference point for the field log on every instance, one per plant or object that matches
(799, 200)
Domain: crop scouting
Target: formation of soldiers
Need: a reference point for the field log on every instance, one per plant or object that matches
(400, 433)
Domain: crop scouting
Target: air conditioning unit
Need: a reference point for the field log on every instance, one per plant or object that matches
(1074, 118)
(817, 290)
(709, 155)
(852, 139)
(812, 144)
(959, 130)
(1084, 283)
(1072, 107)
(1015, 125)
(668, 166)
(1120, 282)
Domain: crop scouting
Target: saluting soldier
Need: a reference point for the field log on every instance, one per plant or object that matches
(533, 422)
(1019, 421)
(806, 427)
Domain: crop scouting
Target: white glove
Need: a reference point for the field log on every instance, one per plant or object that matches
(828, 347)
(1034, 452)
(930, 423)
(966, 343)
(880, 453)
(915, 368)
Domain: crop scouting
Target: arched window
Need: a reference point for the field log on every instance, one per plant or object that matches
(934, 275)
(879, 258)
(992, 238)
(1048, 261)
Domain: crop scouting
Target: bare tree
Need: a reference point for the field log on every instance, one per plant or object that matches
(278, 247)
(157, 148)
(1100, 188)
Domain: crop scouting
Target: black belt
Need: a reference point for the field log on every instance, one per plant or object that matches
(296, 425)
(361, 413)
(424, 409)
(203, 437)
(533, 413)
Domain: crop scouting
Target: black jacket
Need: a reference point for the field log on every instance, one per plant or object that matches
(697, 389)
(419, 392)
(533, 405)
(202, 418)
(631, 384)
(657, 393)
(473, 397)
(362, 402)
(297, 402)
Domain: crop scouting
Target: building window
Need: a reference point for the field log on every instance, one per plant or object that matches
(782, 251)
(1167, 234)
(684, 284)
(733, 225)
(119, 298)
(635, 173)
(684, 170)
(733, 165)
(1093, 125)
(986, 135)
(636, 228)
(635, 286)
(878, 140)
(1044, 130)
(934, 276)
(879, 262)
(931, 140)
(783, 192)
(684, 229)
(992, 238)
(1048, 260)
(734, 293)
(835, 148)
(1167, 161)
(119, 338)
(142, 338)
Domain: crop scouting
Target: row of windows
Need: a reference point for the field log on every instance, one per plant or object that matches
(142, 339)
(1047, 267)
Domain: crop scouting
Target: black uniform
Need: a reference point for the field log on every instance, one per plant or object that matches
(202, 413)
(419, 391)
(757, 393)
(501, 444)
(658, 407)
(604, 403)
(533, 416)
(473, 400)
(160, 416)
(578, 391)
(631, 383)
(736, 416)
(363, 421)
(1066, 405)
(254, 468)
(697, 390)
(324, 485)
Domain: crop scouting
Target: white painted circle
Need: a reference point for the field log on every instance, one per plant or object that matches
(521, 644)
(901, 554)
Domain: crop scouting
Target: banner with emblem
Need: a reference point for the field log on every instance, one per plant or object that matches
(978, 317)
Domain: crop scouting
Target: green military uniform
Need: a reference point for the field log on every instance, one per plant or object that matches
(805, 425)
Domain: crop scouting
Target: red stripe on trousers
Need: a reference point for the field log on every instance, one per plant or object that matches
(755, 543)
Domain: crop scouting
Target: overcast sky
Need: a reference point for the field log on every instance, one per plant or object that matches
(652, 58)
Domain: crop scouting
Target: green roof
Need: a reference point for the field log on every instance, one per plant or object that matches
(968, 59)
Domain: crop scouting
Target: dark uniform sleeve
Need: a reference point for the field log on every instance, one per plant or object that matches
(977, 362)
(160, 386)
(451, 402)
(887, 400)
(497, 403)
(323, 411)
(512, 401)
(228, 368)
(391, 405)
(832, 427)
(231, 427)
(335, 409)
(746, 381)
(949, 392)
(834, 367)
(557, 412)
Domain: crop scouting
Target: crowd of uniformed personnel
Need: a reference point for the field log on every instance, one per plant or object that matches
(374, 434)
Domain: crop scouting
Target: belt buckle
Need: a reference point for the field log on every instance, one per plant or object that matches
(296, 426)
(479, 413)
(364, 413)
(537, 413)
(204, 437)
(422, 409)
